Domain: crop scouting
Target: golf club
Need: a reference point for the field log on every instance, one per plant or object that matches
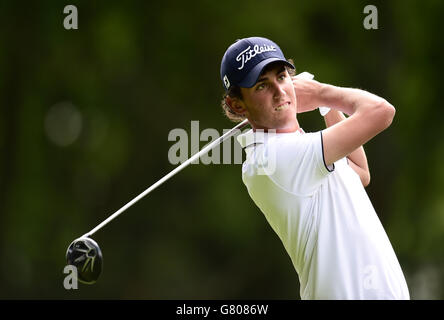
(85, 254)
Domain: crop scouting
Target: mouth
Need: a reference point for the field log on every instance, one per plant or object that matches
(282, 106)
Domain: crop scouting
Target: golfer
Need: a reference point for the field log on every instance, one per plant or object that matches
(310, 186)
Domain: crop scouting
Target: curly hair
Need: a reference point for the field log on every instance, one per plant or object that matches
(235, 92)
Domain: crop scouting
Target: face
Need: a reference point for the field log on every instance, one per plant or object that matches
(271, 102)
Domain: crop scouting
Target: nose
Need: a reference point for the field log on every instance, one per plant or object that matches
(278, 90)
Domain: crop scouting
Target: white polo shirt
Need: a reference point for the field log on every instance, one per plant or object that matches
(323, 217)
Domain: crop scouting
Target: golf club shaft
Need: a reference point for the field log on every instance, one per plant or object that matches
(197, 155)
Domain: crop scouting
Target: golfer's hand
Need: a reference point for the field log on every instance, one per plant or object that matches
(307, 93)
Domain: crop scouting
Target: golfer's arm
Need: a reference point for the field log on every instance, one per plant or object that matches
(357, 159)
(369, 115)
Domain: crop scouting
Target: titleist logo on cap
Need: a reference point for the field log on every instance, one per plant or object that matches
(248, 53)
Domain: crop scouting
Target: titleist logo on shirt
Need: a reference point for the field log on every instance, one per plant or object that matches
(249, 53)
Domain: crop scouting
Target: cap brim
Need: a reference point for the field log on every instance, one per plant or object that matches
(251, 78)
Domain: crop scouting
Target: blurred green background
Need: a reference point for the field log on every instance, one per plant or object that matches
(84, 122)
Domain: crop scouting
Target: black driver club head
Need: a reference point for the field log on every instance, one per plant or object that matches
(85, 254)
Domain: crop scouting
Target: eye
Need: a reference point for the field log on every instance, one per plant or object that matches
(260, 87)
(282, 76)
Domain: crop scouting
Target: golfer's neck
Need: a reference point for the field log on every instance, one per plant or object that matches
(285, 129)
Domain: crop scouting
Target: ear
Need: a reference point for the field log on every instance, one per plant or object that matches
(236, 105)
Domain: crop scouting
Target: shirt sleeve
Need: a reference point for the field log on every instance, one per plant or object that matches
(299, 163)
